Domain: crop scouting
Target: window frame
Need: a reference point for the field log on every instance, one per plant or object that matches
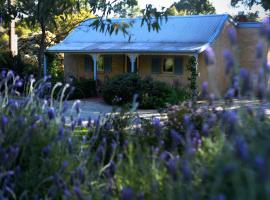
(98, 64)
(163, 60)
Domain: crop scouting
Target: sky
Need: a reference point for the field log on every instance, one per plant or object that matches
(222, 6)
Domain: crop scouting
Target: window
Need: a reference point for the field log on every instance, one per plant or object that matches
(100, 64)
(168, 65)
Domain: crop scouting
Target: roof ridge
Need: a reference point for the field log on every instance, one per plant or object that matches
(178, 16)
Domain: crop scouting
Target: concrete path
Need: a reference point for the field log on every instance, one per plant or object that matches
(93, 108)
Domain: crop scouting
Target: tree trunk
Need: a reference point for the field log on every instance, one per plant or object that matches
(42, 47)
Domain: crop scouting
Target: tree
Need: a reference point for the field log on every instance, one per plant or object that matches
(247, 17)
(8, 11)
(191, 7)
(264, 3)
(43, 14)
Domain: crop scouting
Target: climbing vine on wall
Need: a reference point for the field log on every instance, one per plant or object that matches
(192, 68)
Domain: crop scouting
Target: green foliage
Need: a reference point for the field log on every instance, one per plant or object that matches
(247, 17)
(17, 64)
(250, 3)
(121, 89)
(83, 88)
(191, 7)
(192, 68)
(56, 69)
(152, 94)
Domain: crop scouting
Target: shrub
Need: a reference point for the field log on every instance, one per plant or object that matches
(83, 88)
(16, 64)
(121, 89)
(152, 94)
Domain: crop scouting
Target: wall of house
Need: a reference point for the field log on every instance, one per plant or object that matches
(75, 66)
(170, 78)
(248, 39)
(217, 78)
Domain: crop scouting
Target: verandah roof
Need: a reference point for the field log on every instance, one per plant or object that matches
(180, 34)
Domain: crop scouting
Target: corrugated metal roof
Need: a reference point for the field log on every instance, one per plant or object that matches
(179, 34)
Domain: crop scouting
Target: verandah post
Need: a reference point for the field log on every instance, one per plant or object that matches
(132, 58)
(94, 57)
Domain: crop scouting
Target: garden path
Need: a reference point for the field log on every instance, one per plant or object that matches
(93, 108)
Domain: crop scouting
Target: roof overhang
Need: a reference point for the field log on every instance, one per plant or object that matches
(125, 47)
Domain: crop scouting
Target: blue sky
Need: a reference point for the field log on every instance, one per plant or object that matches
(222, 6)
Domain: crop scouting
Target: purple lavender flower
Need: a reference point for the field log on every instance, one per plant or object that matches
(232, 35)
(111, 169)
(165, 156)
(185, 169)
(259, 161)
(209, 56)
(46, 151)
(204, 89)
(220, 197)
(171, 166)
(156, 122)
(241, 148)
(205, 129)
(186, 120)
(229, 60)
(246, 83)
(51, 113)
(265, 29)
(127, 194)
(176, 138)
(3, 73)
(61, 133)
(259, 50)
(78, 193)
(140, 196)
(230, 93)
(77, 106)
(4, 121)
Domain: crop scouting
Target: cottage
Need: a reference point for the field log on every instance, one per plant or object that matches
(162, 55)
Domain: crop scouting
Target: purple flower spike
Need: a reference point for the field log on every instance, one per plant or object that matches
(127, 194)
(209, 56)
(232, 35)
(156, 122)
(229, 61)
(259, 50)
(77, 106)
(171, 166)
(140, 196)
(111, 169)
(4, 121)
(51, 113)
(3, 73)
(241, 148)
(204, 89)
(265, 29)
(220, 197)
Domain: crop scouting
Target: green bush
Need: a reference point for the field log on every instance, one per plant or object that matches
(83, 88)
(152, 94)
(16, 64)
(121, 89)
